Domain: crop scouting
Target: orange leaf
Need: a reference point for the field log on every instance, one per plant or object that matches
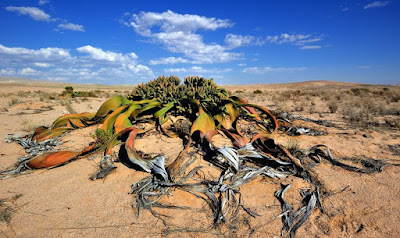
(51, 159)
(108, 124)
(123, 121)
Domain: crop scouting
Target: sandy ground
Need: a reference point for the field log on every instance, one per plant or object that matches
(63, 202)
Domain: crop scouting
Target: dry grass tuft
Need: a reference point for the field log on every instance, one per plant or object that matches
(68, 105)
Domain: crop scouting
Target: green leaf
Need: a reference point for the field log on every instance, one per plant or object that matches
(111, 105)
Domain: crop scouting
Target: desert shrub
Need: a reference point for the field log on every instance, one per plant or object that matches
(333, 106)
(68, 105)
(299, 107)
(28, 125)
(239, 91)
(13, 101)
(293, 146)
(360, 91)
(69, 89)
(392, 122)
(257, 91)
(312, 109)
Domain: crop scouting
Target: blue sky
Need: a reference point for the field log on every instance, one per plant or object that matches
(235, 42)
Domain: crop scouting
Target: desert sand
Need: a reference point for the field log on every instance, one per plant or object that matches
(63, 202)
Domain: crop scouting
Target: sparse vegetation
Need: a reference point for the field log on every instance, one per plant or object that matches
(293, 146)
(28, 125)
(13, 101)
(68, 105)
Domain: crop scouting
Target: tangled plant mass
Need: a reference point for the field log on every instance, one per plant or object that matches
(195, 112)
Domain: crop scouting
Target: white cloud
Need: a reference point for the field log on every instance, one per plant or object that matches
(177, 32)
(28, 71)
(99, 54)
(42, 65)
(234, 41)
(72, 27)
(302, 41)
(34, 12)
(39, 15)
(310, 47)
(16, 56)
(58, 64)
(377, 4)
(170, 21)
(197, 70)
(286, 38)
(43, 2)
(168, 60)
(262, 70)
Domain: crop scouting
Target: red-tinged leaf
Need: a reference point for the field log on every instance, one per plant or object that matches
(204, 122)
(49, 134)
(236, 139)
(269, 115)
(210, 135)
(260, 135)
(240, 101)
(40, 129)
(108, 125)
(51, 159)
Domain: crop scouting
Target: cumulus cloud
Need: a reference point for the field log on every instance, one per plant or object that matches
(170, 21)
(33, 12)
(15, 56)
(377, 4)
(101, 55)
(169, 60)
(177, 32)
(84, 64)
(71, 27)
(262, 70)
